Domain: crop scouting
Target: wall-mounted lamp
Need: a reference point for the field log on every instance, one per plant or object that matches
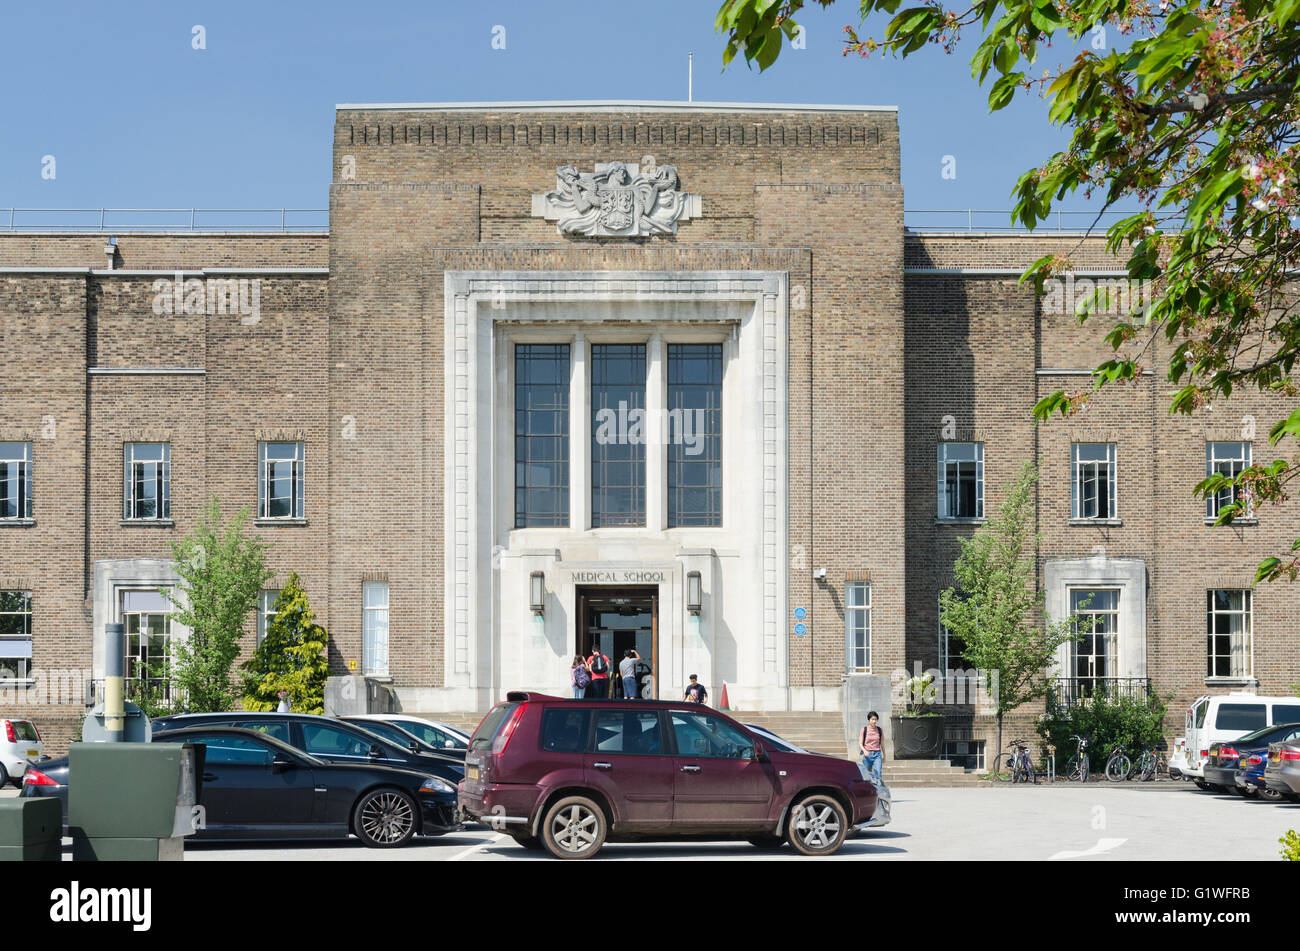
(820, 575)
(694, 596)
(537, 592)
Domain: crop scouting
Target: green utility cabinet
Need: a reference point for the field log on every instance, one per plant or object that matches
(132, 802)
(31, 830)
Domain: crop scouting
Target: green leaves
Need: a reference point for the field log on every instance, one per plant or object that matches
(221, 570)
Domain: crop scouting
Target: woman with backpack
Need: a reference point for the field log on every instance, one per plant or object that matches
(580, 677)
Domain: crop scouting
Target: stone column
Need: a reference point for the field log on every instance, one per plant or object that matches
(656, 435)
(579, 434)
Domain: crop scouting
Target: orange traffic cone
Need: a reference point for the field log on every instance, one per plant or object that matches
(723, 705)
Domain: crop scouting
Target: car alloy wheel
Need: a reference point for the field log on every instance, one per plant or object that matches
(574, 828)
(385, 818)
(1269, 795)
(817, 826)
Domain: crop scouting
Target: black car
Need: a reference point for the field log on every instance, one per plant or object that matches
(326, 738)
(256, 787)
(395, 733)
(1226, 757)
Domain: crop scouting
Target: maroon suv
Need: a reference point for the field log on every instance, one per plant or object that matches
(568, 775)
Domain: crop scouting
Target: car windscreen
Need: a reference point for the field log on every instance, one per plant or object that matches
(1200, 713)
(386, 730)
(24, 732)
(1241, 716)
(487, 730)
(1269, 734)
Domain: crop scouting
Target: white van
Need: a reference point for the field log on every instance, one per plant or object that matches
(1223, 717)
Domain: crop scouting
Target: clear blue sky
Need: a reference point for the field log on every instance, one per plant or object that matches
(135, 117)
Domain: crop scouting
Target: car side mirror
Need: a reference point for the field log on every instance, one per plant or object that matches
(414, 746)
(374, 750)
(760, 754)
(448, 744)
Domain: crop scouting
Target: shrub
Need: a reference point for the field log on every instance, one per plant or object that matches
(291, 658)
(1290, 846)
(1105, 720)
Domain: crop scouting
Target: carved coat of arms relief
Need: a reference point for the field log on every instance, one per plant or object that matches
(616, 200)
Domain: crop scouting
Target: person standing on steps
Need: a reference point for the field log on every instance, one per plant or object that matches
(580, 676)
(627, 670)
(598, 664)
(871, 743)
(695, 692)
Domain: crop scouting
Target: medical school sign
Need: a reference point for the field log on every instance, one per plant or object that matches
(619, 576)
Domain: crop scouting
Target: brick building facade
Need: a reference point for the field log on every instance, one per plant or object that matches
(382, 363)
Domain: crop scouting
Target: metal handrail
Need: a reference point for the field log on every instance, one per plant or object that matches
(155, 219)
(964, 219)
(190, 219)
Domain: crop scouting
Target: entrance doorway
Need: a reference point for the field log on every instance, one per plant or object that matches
(618, 620)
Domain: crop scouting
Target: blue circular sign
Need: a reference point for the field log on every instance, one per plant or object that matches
(801, 629)
(800, 613)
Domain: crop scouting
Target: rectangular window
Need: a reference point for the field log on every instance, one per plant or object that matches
(950, 648)
(618, 434)
(541, 435)
(374, 641)
(857, 624)
(628, 731)
(280, 480)
(1228, 633)
(146, 617)
(564, 730)
(15, 480)
(265, 611)
(15, 635)
(968, 754)
(694, 434)
(1096, 616)
(146, 476)
(961, 480)
(1227, 459)
(1092, 492)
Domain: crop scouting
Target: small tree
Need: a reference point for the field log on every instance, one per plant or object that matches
(222, 570)
(996, 608)
(291, 658)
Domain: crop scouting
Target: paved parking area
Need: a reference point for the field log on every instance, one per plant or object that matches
(1097, 822)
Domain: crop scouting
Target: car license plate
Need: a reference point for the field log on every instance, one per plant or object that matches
(471, 772)
(1275, 758)
(33, 753)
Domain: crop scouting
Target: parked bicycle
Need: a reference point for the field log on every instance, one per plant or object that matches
(1148, 765)
(1077, 769)
(1018, 761)
(1118, 766)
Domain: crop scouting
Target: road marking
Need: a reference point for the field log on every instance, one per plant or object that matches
(481, 847)
(1103, 846)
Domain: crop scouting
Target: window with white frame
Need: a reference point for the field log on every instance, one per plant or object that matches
(950, 647)
(146, 477)
(857, 624)
(147, 624)
(1092, 491)
(374, 628)
(1228, 633)
(1096, 619)
(265, 611)
(15, 635)
(961, 480)
(1226, 459)
(280, 480)
(15, 480)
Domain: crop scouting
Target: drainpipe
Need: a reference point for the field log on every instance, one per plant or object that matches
(114, 684)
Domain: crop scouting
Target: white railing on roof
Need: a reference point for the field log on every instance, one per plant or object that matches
(165, 219)
(972, 219)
